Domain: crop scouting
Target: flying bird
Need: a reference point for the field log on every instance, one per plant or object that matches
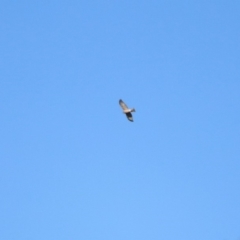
(127, 110)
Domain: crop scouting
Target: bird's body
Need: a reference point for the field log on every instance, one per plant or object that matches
(129, 110)
(126, 110)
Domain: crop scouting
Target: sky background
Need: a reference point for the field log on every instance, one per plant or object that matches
(73, 167)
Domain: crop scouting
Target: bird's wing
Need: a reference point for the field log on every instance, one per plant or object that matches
(123, 105)
(129, 116)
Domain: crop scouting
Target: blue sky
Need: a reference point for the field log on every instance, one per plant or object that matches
(73, 167)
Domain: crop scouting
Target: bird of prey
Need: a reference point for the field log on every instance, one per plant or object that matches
(127, 110)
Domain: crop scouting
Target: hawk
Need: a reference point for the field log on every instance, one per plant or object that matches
(127, 110)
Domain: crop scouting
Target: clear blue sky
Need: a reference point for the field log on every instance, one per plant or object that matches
(73, 167)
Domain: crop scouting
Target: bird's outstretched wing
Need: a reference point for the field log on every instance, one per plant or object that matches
(129, 116)
(123, 105)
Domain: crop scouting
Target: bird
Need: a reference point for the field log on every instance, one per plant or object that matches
(127, 110)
